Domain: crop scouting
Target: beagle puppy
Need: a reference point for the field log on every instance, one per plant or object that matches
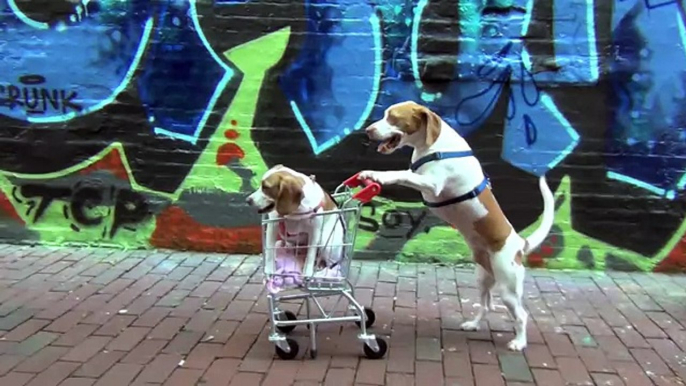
(455, 188)
(297, 200)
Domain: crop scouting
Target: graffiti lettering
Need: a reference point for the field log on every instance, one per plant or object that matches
(85, 198)
(129, 207)
(37, 100)
(391, 220)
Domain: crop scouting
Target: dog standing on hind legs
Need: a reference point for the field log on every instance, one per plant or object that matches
(455, 188)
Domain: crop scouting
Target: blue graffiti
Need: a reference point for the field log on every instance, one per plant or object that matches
(332, 85)
(647, 138)
(331, 100)
(77, 66)
(63, 63)
(358, 58)
(181, 56)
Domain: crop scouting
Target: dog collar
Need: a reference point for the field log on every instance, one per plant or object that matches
(309, 212)
(439, 155)
(282, 224)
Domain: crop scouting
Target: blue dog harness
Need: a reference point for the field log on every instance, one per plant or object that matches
(447, 155)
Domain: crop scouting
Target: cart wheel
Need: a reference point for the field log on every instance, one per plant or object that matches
(313, 354)
(293, 345)
(371, 318)
(371, 354)
(288, 316)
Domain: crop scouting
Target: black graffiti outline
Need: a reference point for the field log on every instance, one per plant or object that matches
(398, 216)
(15, 96)
(491, 65)
(129, 206)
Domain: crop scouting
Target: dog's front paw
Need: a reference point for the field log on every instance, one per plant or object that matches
(379, 177)
(516, 344)
(471, 325)
(367, 175)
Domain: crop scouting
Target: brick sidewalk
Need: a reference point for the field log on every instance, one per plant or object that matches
(103, 317)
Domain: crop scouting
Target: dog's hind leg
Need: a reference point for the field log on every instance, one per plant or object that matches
(485, 281)
(511, 273)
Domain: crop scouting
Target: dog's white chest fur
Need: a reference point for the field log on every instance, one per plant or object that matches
(459, 176)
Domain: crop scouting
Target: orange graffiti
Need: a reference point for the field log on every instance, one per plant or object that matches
(175, 229)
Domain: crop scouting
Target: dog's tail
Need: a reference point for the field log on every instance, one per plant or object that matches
(536, 238)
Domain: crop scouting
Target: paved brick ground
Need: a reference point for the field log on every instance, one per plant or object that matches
(103, 317)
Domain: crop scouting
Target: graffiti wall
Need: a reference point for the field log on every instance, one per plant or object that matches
(139, 123)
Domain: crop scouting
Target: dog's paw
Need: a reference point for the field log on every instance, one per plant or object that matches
(516, 345)
(378, 177)
(367, 175)
(470, 325)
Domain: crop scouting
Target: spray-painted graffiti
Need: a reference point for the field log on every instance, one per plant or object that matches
(407, 222)
(127, 207)
(163, 115)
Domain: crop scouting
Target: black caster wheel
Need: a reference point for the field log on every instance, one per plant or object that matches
(371, 318)
(371, 354)
(293, 345)
(287, 315)
(313, 354)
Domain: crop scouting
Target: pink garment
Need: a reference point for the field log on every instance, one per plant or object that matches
(288, 270)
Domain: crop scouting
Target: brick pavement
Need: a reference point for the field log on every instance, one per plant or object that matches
(76, 317)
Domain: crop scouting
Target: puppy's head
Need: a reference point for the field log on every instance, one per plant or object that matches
(281, 190)
(405, 124)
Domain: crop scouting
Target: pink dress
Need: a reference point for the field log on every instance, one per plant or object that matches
(291, 250)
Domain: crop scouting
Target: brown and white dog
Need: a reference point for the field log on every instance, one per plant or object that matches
(297, 199)
(456, 189)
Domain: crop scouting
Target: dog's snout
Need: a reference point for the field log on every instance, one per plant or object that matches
(249, 200)
(370, 129)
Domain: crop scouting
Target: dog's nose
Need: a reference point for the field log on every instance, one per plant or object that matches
(249, 200)
(370, 129)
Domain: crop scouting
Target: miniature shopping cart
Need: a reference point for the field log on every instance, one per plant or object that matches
(313, 283)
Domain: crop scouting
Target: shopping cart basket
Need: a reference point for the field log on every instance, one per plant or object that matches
(313, 283)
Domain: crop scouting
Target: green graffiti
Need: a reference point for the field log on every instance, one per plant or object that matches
(57, 225)
(253, 59)
(442, 243)
(574, 241)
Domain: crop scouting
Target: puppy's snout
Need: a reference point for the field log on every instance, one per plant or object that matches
(371, 129)
(249, 201)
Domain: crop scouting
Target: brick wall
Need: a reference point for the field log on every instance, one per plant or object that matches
(145, 124)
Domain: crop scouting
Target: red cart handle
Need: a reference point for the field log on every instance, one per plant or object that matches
(371, 189)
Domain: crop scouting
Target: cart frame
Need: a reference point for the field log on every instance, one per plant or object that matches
(312, 288)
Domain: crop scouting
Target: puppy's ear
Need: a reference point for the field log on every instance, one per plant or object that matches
(270, 185)
(431, 123)
(290, 195)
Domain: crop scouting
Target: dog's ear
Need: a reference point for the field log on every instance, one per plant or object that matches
(431, 123)
(427, 120)
(270, 185)
(290, 195)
